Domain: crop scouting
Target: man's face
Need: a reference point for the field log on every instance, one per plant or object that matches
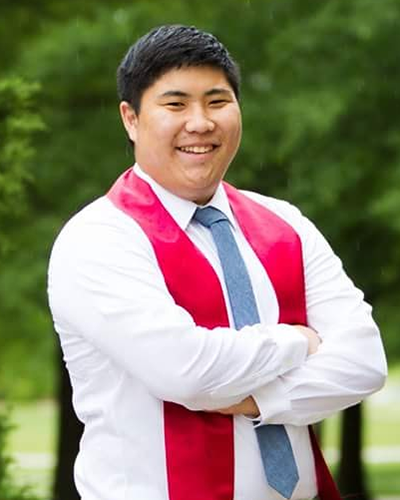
(187, 132)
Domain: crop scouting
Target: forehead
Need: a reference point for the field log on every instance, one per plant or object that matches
(191, 80)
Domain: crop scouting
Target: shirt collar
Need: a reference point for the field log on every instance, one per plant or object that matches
(183, 210)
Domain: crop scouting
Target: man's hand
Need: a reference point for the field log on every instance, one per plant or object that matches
(312, 337)
(246, 407)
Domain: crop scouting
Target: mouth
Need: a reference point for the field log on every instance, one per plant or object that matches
(197, 150)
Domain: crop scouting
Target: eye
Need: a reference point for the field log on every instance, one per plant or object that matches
(175, 104)
(218, 103)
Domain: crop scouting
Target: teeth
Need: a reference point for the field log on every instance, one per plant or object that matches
(197, 149)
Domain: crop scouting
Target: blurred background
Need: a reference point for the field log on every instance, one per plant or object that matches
(321, 112)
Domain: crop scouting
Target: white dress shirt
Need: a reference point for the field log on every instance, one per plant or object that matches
(128, 347)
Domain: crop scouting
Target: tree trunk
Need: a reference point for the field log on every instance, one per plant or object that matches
(351, 478)
(69, 434)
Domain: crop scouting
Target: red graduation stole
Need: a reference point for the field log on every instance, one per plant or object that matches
(199, 446)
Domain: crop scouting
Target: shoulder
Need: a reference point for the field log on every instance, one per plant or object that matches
(283, 209)
(97, 229)
(313, 241)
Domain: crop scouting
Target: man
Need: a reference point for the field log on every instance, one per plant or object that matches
(193, 316)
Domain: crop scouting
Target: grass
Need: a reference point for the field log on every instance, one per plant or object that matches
(32, 442)
(384, 479)
(35, 427)
(381, 426)
(35, 433)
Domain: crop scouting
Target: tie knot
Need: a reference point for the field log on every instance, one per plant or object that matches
(208, 216)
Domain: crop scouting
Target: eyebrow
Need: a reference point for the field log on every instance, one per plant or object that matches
(211, 92)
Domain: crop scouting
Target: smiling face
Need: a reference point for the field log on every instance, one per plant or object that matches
(187, 131)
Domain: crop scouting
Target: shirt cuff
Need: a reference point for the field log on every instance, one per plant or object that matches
(272, 400)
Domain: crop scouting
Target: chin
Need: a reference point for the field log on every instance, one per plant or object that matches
(203, 196)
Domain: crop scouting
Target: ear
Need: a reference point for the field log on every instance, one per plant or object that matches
(129, 119)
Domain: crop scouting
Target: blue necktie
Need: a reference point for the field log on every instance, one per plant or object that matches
(276, 451)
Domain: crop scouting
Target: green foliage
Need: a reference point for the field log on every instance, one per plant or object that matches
(18, 123)
(8, 490)
(321, 129)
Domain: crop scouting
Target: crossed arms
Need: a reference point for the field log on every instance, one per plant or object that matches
(107, 293)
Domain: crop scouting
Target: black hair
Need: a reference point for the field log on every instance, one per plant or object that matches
(168, 47)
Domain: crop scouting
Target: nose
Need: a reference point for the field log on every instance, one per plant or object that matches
(199, 122)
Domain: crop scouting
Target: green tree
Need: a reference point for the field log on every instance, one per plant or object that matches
(19, 122)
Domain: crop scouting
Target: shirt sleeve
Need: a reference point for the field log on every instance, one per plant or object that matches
(105, 286)
(350, 363)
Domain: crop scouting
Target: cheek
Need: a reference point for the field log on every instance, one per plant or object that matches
(233, 126)
(238, 121)
(162, 128)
